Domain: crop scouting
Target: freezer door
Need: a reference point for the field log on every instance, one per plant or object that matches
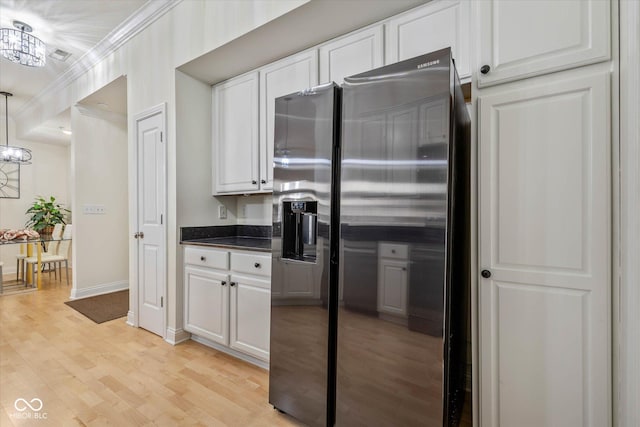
(304, 143)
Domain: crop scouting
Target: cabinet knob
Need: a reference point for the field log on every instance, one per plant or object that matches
(263, 181)
(485, 69)
(203, 258)
(223, 283)
(135, 236)
(232, 283)
(254, 182)
(393, 251)
(256, 265)
(486, 274)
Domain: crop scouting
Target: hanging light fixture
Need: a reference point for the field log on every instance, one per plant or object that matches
(8, 153)
(17, 45)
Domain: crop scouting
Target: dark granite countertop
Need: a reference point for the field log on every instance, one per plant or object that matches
(253, 238)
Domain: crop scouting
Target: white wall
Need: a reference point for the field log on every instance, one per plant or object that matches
(100, 177)
(48, 175)
(255, 209)
(194, 205)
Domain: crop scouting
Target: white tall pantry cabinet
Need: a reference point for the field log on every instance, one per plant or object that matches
(544, 170)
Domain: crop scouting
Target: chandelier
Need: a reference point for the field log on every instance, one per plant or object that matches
(9, 154)
(17, 45)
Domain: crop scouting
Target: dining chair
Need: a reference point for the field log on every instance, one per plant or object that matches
(56, 234)
(62, 249)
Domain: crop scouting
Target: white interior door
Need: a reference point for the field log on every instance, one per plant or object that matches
(545, 252)
(151, 152)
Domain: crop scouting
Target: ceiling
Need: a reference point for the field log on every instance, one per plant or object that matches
(75, 26)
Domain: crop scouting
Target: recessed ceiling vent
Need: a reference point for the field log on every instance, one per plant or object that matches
(59, 55)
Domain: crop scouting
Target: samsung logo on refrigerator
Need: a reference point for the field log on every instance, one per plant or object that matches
(428, 64)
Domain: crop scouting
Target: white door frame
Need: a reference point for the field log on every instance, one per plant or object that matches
(133, 314)
(626, 307)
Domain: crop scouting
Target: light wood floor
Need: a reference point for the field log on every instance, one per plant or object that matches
(113, 374)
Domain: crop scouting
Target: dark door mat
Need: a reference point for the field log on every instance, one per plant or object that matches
(103, 308)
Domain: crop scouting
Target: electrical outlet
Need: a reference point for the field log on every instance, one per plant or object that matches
(222, 212)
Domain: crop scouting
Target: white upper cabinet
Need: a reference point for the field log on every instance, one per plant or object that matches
(434, 26)
(235, 134)
(286, 76)
(356, 53)
(521, 39)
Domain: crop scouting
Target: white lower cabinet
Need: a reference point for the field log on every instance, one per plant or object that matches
(225, 307)
(207, 304)
(250, 315)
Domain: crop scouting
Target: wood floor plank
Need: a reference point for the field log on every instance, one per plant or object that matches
(111, 374)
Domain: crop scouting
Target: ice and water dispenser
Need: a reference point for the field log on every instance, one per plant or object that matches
(299, 230)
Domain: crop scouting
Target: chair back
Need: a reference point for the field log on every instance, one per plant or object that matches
(63, 248)
(67, 231)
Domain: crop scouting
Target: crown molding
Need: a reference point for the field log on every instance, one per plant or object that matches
(138, 21)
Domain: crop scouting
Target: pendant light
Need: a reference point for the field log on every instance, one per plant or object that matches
(8, 153)
(18, 46)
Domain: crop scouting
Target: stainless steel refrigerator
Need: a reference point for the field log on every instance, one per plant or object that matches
(371, 248)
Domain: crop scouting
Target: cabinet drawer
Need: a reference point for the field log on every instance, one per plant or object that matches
(394, 250)
(252, 264)
(207, 258)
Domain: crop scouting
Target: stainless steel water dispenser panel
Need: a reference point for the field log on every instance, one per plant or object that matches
(300, 230)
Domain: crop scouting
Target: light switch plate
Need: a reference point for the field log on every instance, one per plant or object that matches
(222, 212)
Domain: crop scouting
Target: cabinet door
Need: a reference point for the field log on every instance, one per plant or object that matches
(434, 26)
(526, 38)
(281, 78)
(392, 287)
(235, 135)
(206, 302)
(544, 217)
(250, 316)
(356, 53)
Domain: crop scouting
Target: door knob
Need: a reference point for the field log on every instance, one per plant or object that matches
(256, 265)
(263, 181)
(232, 283)
(202, 258)
(135, 236)
(254, 182)
(141, 235)
(486, 274)
(223, 283)
(485, 69)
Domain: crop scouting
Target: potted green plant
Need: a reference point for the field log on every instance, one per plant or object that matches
(45, 214)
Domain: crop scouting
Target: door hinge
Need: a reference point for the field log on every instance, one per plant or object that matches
(161, 302)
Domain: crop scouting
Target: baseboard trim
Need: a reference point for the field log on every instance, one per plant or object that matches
(176, 336)
(104, 288)
(231, 352)
(131, 319)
